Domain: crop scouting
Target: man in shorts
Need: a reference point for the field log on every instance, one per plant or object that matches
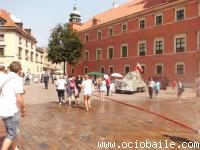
(11, 104)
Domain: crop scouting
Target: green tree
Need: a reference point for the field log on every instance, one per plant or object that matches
(64, 46)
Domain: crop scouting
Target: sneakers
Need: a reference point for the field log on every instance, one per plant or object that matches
(60, 104)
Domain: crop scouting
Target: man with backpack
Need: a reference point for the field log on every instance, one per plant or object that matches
(11, 103)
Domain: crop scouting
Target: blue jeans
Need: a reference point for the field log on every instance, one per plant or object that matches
(12, 126)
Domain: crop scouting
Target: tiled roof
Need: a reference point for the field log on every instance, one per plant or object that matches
(6, 16)
(11, 23)
(131, 7)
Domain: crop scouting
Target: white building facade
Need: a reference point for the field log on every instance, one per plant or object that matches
(17, 43)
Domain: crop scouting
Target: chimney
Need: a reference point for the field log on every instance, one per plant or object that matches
(115, 4)
(28, 31)
(20, 24)
(94, 21)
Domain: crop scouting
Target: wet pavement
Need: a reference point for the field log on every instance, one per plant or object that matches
(50, 127)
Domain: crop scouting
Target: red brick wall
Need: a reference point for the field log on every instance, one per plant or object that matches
(190, 26)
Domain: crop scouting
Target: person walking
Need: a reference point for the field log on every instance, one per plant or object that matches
(11, 104)
(78, 82)
(151, 85)
(157, 88)
(103, 89)
(174, 84)
(108, 85)
(180, 89)
(61, 84)
(87, 91)
(197, 87)
(27, 78)
(46, 80)
(71, 90)
(99, 79)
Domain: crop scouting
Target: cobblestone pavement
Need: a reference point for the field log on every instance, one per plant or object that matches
(50, 127)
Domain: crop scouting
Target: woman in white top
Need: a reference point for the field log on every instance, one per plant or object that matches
(61, 84)
(87, 91)
(103, 89)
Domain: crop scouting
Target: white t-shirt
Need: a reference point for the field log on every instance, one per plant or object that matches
(87, 87)
(8, 103)
(60, 83)
(151, 84)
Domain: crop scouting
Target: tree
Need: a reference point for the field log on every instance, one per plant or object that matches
(64, 46)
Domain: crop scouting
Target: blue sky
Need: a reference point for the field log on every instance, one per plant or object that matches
(43, 15)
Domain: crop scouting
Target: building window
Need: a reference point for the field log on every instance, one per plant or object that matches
(180, 14)
(124, 51)
(41, 58)
(111, 69)
(159, 69)
(199, 8)
(99, 34)
(86, 38)
(1, 51)
(198, 41)
(180, 68)
(26, 54)
(72, 70)
(159, 46)
(158, 19)
(26, 43)
(142, 48)
(2, 21)
(20, 53)
(124, 28)
(126, 69)
(31, 45)
(110, 31)
(31, 56)
(180, 43)
(36, 58)
(142, 23)
(102, 69)
(85, 70)
(98, 54)
(110, 52)
(20, 40)
(86, 55)
(1, 37)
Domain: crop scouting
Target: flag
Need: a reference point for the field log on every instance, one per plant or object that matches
(139, 68)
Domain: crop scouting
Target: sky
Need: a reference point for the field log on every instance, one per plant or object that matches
(43, 15)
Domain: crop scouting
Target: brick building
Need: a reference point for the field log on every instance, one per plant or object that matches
(162, 35)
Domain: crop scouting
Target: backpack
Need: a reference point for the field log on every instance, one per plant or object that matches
(72, 84)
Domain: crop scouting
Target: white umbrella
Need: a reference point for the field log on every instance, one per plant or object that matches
(116, 75)
(105, 76)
